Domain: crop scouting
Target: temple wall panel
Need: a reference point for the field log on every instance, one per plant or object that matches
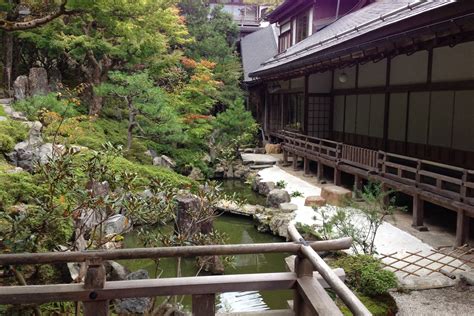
(453, 63)
(350, 114)
(320, 82)
(351, 78)
(373, 74)
(463, 130)
(377, 105)
(441, 118)
(397, 116)
(409, 69)
(338, 119)
(418, 117)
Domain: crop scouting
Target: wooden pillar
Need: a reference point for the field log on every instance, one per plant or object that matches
(303, 267)
(462, 228)
(295, 162)
(306, 104)
(357, 185)
(95, 279)
(285, 157)
(337, 176)
(204, 305)
(319, 171)
(307, 172)
(418, 212)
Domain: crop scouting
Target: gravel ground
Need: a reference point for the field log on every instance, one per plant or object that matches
(446, 301)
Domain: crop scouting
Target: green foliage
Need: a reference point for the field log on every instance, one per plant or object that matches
(51, 102)
(365, 275)
(235, 122)
(6, 143)
(215, 35)
(16, 130)
(281, 184)
(380, 306)
(19, 187)
(296, 194)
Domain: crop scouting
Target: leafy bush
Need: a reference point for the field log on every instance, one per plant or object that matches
(17, 187)
(296, 194)
(51, 102)
(16, 130)
(6, 143)
(380, 306)
(365, 275)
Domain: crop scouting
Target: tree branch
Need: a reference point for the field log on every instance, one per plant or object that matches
(10, 26)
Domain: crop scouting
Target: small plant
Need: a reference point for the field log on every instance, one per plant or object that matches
(365, 275)
(281, 184)
(296, 194)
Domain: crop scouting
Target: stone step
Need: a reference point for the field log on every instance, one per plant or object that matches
(260, 167)
(258, 159)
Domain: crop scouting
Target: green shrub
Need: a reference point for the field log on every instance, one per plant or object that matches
(6, 143)
(365, 275)
(380, 306)
(50, 102)
(17, 187)
(2, 111)
(16, 130)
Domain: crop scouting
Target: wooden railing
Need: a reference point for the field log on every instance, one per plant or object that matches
(95, 293)
(444, 180)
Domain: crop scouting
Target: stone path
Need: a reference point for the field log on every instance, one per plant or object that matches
(259, 159)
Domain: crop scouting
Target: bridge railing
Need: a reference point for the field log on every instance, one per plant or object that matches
(95, 292)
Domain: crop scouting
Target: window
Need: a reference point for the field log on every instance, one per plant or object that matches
(284, 41)
(302, 23)
(294, 111)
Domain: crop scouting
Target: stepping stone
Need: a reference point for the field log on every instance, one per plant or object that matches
(6, 101)
(288, 207)
(335, 195)
(258, 159)
(260, 167)
(314, 201)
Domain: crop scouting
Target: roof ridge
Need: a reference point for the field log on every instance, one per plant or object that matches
(337, 36)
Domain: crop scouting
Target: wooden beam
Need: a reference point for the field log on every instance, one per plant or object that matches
(418, 211)
(307, 172)
(303, 268)
(204, 305)
(95, 279)
(316, 298)
(148, 288)
(306, 103)
(167, 252)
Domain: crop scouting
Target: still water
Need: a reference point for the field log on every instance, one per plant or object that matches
(239, 230)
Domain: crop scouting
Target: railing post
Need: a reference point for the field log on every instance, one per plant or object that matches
(307, 172)
(319, 171)
(295, 162)
(462, 228)
(418, 212)
(95, 279)
(303, 268)
(285, 157)
(337, 175)
(204, 304)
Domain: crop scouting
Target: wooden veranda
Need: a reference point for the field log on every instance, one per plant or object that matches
(95, 293)
(444, 185)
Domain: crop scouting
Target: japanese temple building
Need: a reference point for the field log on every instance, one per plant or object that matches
(378, 90)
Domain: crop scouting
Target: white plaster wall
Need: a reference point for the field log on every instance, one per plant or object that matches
(441, 118)
(463, 136)
(397, 116)
(297, 83)
(456, 63)
(338, 119)
(377, 109)
(409, 69)
(418, 117)
(320, 82)
(351, 78)
(373, 74)
(351, 110)
(363, 114)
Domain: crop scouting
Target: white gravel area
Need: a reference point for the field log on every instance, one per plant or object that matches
(437, 302)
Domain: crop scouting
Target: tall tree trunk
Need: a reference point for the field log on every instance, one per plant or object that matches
(132, 122)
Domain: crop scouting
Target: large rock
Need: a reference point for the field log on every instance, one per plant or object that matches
(273, 148)
(135, 305)
(117, 224)
(276, 197)
(288, 207)
(314, 201)
(335, 195)
(279, 224)
(20, 88)
(38, 82)
(264, 187)
(164, 161)
(26, 155)
(115, 271)
(196, 174)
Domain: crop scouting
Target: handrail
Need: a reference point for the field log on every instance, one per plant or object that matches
(347, 296)
(167, 252)
(432, 176)
(95, 292)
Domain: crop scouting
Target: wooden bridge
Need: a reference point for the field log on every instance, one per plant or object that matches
(95, 293)
(448, 186)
